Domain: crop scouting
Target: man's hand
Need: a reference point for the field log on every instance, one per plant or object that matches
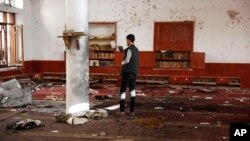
(120, 48)
(123, 62)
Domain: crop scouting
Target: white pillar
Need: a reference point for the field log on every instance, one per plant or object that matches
(77, 65)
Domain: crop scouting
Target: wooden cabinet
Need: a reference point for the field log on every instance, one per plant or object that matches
(177, 36)
(118, 58)
(102, 44)
(163, 38)
(183, 36)
(197, 60)
(172, 59)
(147, 59)
(173, 45)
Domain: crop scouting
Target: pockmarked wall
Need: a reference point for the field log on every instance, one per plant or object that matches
(222, 27)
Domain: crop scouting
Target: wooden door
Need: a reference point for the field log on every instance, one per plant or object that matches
(183, 36)
(118, 58)
(163, 36)
(197, 60)
(147, 59)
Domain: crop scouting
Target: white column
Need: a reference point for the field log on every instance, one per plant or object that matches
(77, 65)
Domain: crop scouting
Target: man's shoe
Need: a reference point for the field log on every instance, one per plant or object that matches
(131, 114)
(121, 113)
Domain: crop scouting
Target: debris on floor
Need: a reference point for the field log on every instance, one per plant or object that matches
(224, 138)
(208, 98)
(207, 90)
(140, 93)
(100, 134)
(159, 108)
(92, 114)
(193, 98)
(242, 99)
(177, 90)
(103, 97)
(178, 110)
(93, 92)
(24, 124)
(11, 84)
(204, 123)
(151, 123)
(97, 114)
(61, 117)
(114, 107)
(14, 114)
(159, 99)
(13, 95)
(54, 97)
(103, 134)
(76, 120)
(67, 118)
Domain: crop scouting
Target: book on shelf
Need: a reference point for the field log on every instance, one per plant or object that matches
(172, 64)
(104, 47)
(101, 55)
(106, 63)
(94, 62)
(173, 55)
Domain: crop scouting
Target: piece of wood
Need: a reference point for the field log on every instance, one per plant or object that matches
(13, 114)
(144, 60)
(73, 35)
(13, 45)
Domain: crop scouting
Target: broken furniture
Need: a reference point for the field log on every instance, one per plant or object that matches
(216, 81)
(71, 38)
(13, 95)
(206, 81)
(54, 76)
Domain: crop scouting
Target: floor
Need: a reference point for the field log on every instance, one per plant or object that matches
(187, 115)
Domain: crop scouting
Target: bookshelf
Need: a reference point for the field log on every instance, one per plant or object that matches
(173, 46)
(102, 38)
(172, 59)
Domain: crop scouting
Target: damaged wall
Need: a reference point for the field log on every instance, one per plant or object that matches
(222, 28)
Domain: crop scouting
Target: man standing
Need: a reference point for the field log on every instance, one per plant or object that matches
(129, 74)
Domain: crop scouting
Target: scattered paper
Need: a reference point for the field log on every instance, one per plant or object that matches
(159, 108)
(76, 120)
(209, 98)
(204, 123)
(114, 107)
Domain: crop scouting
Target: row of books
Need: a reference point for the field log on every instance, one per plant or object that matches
(167, 64)
(173, 55)
(101, 47)
(101, 55)
(98, 63)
